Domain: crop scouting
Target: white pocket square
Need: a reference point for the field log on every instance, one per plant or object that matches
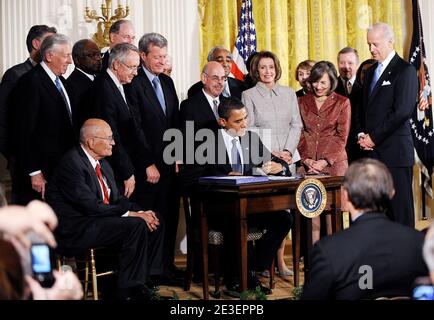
(386, 83)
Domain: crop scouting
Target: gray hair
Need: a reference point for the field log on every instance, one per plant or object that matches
(369, 185)
(214, 49)
(349, 50)
(388, 33)
(51, 42)
(120, 51)
(153, 38)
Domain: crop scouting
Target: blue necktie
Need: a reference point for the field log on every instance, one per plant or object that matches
(157, 88)
(376, 77)
(235, 157)
(59, 88)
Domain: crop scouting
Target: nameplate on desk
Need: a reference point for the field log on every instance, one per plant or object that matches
(232, 180)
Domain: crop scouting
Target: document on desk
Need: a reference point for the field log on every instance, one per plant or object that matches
(232, 180)
(283, 178)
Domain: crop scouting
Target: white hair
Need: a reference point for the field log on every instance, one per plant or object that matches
(388, 33)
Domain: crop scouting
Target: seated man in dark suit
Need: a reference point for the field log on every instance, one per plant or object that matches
(243, 153)
(92, 213)
(232, 87)
(375, 257)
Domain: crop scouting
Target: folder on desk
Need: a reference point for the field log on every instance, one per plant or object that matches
(232, 180)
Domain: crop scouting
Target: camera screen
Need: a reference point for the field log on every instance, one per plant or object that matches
(423, 292)
(41, 258)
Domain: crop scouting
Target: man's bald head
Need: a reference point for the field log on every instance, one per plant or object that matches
(96, 137)
(213, 78)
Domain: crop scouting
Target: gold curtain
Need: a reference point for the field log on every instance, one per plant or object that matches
(300, 29)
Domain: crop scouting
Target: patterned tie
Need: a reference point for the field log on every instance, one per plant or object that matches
(235, 157)
(215, 108)
(226, 92)
(348, 87)
(59, 88)
(376, 77)
(101, 181)
(157, 88)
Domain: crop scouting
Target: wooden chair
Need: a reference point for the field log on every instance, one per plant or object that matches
(90, 272)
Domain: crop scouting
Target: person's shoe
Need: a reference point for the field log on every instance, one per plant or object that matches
(232, 287)
(137, 293)
(285, 272)
(253, 282)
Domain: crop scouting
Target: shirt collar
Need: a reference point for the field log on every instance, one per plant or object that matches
(263, 89)
(48, 71)
(210, 98)
(114, 78)
(149, 74)
(386, 61)
(93, 162)
(90, 76)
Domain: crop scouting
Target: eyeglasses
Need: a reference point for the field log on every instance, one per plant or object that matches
(109, 139)
(130, 68)
(217, 78)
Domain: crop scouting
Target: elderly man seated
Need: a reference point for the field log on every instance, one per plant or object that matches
(92, 213)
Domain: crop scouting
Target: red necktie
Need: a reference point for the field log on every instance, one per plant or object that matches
(101, 180)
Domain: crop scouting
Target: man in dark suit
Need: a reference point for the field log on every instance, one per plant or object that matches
(348, 61)
(92, 213)
(232, 87)
(243, 154)
(44, 120)
(87, 61)
(382, 122)
(153, 95)
(375, 257)
(200, 111)
(108, 102)
(10, 78)
(121, 31)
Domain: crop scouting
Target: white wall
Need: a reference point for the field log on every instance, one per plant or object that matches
(176, 20)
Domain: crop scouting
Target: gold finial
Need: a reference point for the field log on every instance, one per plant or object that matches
(105, 20)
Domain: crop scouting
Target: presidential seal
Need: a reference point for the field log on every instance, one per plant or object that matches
(311, 198)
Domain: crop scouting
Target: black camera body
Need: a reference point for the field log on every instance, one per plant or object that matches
(42, 262)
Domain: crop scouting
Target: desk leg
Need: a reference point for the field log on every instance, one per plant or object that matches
(296, 239)
(309, 245)
(336, 212)
(204, 246)
(242, 242)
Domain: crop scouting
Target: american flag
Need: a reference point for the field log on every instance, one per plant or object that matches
(245, 44)
(422, 120)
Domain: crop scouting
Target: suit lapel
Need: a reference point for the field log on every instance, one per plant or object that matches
(152, 96)
(385, 76)
(91, 171)
(52, 90)
(116, 92)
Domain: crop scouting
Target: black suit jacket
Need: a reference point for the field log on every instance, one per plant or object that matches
(385, 112)
(254, 155)
(393, 251)
(80, 85)
(153, 121)
(9, 81)
(235, 86)
(75, 195)
(130, 150)
(15, 72)
(43, 130)
(105, 61)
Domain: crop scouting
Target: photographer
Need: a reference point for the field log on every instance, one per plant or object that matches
(16, 224)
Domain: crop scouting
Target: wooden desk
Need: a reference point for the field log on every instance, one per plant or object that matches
(236, 202)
